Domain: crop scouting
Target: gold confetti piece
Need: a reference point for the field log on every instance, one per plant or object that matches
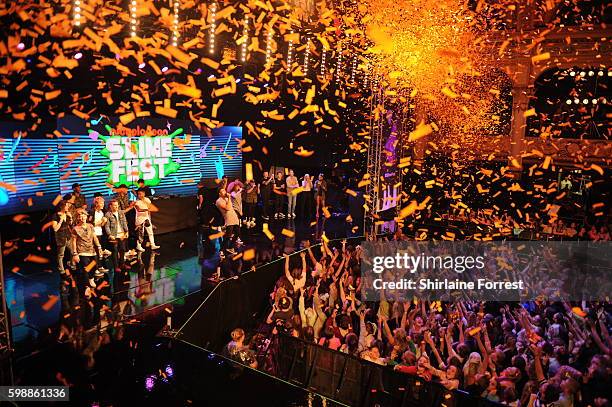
(8, 187)
(216, 236)
(546, 162)
(50, 302)
(421, 131)
(166, 111)
(288, 233)
(179, 55)
(53, 94)
(530, 112)
(326, 212)
(446, 91)
(540, 57)
(248, 254)
(33, 258)
(216, 107)
(597, 168)
(90, 266)
(578, 311)
(127, 118)
(351, 192)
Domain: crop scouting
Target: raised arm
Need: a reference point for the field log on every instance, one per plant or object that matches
(429, 340)
(287, 271)
(598, 340)
(385, 327)
(302, 309)
(483, 351)
(539, 371)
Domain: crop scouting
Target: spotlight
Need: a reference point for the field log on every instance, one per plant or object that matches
(594, 101)
(164, 69)
(591, 73)
(609, 73)
(600, 73)
(576, 101)
(568, 101)
(141, 66)
(585, 101)
(78, 55)
(169, 371)
(572, 73)
(238, 80)
(20, 46)
(150, 383)
(582, 73)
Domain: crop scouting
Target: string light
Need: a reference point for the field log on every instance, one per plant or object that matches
(245, 33)
(290, 53)
(306, 57)
(175, 23)
(323, 60)
(213, 28)
(339, 64)
(76, 7)
(133, 20)
(353, 70)
(269, 46)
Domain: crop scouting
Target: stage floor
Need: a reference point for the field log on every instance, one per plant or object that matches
(170, 283)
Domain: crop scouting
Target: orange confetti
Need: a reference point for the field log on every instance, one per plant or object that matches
(50, 302)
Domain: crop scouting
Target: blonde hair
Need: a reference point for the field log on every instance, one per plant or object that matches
(98, 199)
(237, 334)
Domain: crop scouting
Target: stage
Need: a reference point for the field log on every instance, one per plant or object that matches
(170, 282)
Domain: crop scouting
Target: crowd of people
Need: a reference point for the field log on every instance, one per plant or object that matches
(535, 353)
(90, 242)
(276, 194)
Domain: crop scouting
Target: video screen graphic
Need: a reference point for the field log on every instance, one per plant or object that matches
(171, 157)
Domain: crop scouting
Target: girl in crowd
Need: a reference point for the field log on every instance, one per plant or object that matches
(307, 198)
(231, 221)
(98, 219)
(62, 226)
(235, 191)
(143, 208)
(321, 191)
(292, 186)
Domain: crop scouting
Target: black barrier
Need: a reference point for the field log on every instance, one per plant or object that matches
(358, 382)
(235, 302)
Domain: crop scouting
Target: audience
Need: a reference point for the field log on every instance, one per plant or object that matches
(520, 354)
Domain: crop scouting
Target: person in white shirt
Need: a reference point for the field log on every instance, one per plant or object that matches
(307, 197)
(231, 220)
(292, 185)
(143, 208)
(116, 229)
(98, 220)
